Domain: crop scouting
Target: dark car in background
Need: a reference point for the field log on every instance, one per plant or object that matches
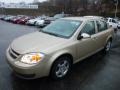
(24, 20)
(55, 17)
(17, 19)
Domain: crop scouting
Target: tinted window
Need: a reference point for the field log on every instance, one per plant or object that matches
(113, 21)
(89, 28)
(101, 26)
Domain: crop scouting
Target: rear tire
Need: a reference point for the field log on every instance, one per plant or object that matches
(107, 46)
(61, 67)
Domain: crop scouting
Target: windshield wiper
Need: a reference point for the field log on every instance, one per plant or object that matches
(50, 33)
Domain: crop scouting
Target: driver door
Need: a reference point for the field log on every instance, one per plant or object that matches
(87, 46)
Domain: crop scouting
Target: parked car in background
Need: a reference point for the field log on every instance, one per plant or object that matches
(17, 19)
(118, 25)
(57, 46)
(57, 16)
(11, 19)
(24, 20)
(118, 21)
(3, 17)
(113, 23)
(8, 18)
(41, 22)
(33, 21)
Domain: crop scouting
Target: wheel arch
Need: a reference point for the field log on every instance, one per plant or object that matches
(59, 56)
(109, 38)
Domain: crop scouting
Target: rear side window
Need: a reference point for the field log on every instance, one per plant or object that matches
(102, 26)
(89, 28)
(113, 21)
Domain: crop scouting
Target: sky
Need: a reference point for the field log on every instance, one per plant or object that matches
(17, 1)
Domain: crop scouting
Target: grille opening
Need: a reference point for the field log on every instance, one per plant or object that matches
(13, 54)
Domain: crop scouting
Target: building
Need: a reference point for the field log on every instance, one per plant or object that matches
(18, 6)
(2, 4)
(35, 1)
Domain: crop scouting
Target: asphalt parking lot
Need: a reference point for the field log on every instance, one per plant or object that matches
(98, 72)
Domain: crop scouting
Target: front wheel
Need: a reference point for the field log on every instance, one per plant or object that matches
(61, 68)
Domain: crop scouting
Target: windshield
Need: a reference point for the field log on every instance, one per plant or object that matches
(62, 28)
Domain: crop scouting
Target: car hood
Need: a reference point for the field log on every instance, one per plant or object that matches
(40, 21)
(36, 42)
(34, 20)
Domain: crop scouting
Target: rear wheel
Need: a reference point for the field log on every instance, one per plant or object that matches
(108, 46)
(61, 68)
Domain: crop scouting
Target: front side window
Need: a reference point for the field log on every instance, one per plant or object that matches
(102, 26)
(89, 28)
(62, 28)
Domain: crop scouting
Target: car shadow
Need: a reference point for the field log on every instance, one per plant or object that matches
(80, 72)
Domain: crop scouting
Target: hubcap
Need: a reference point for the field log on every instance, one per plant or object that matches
(108, 46)
(62, 68)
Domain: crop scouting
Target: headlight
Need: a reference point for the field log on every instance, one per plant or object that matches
(32, 58)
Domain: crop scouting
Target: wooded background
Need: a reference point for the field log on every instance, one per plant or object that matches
(75, 7)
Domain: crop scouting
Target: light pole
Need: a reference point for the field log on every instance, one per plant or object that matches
(116, 7)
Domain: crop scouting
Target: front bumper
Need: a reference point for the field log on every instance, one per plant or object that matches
(26, 71)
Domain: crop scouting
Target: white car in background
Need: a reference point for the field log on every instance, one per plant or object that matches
(118, 21)
(112, 22)
(40, 23)
(33, 21)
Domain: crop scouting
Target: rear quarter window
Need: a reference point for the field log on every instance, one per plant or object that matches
(101, 26)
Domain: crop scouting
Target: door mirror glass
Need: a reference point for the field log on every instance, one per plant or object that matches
(85, 35)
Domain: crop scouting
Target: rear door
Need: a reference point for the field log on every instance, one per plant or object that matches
(102, 33)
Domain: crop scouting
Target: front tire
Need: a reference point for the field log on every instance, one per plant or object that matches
(61, 68)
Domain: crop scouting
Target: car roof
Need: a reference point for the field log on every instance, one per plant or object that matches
(110, 18)
(82, 18)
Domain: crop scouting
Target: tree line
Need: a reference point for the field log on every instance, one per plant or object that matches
(82, 7)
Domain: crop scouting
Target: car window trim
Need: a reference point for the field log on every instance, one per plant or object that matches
(86, 23)
(97, 26)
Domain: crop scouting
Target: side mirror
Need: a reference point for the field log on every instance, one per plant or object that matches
(84, 36)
